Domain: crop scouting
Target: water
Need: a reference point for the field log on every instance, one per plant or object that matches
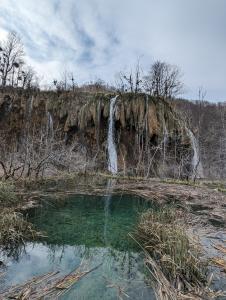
(165, 141)
(107, 203)
(196, 161)
(50, 125)
(208, 239)
(112, 153)
(90, 228)
(98, 124)
(30, 106)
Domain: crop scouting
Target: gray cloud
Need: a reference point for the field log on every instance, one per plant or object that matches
(98, 38)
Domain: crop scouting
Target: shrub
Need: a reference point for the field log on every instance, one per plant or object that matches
(7, 194)
(14, 229)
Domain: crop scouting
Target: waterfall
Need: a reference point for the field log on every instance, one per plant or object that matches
(165, 141)
(98, 118)
(49, 125)
(197, 169)
(112, 153)
(30, 107)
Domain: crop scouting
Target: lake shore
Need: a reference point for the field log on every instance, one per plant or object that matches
(202, 205)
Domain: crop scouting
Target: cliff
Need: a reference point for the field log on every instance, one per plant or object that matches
(151, 139)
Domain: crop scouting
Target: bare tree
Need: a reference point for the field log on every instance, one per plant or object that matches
(29, 78)
(38, 149)
(66, 81)
(72, 81)
(131, 82)
(12, 53)
(97, 86)
(163, 80)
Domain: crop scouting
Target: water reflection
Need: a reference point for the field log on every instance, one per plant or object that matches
(86, 228)
(107, 203)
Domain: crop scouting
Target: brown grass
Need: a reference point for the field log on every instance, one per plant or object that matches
(14, 229)
(175, 263)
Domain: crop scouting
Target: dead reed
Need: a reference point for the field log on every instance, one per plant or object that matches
(175, 263)
(14, 229)
(51, 285)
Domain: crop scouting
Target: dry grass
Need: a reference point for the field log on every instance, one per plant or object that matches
(181, 182)
(175, 264)
(168, 244)
(14, 229)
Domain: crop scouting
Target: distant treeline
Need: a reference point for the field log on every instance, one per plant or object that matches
(162, 79)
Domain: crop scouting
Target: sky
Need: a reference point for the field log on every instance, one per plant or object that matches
(99, 38)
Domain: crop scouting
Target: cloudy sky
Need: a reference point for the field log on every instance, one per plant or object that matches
(98, 38)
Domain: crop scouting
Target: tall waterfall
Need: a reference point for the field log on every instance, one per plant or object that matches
(196, 161)
(165, 141)
(49, 125)
(30, 106)
(98, 124)
(112, 153)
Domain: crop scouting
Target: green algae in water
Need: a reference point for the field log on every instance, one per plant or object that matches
(92, 221)
(90, 228)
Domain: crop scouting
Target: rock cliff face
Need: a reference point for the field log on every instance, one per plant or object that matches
(151, 139)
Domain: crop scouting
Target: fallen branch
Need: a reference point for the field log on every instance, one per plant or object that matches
(46, 285)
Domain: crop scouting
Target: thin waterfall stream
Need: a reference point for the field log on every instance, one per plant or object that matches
(30, 105)
(112, 152)
(197, 169)
(49, 125)
(112, 163)
(165, 141)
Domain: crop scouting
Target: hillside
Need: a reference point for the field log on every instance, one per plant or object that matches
(68, 131)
